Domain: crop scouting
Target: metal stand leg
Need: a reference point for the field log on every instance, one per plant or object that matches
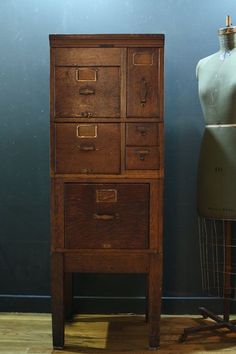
(219, 322)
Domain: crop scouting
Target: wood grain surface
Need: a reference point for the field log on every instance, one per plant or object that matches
(31, 334)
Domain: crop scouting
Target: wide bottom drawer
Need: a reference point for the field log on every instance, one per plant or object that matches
(106, 215)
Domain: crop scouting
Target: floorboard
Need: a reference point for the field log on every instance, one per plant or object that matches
(93, 334)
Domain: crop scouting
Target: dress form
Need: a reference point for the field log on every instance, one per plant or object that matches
(217, 173)
(217, 163)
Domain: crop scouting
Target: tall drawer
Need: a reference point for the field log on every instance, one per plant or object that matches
(106, 215)
(87, 92)
(87, 148)
(142, 158)
(142, 134)
(143, 98)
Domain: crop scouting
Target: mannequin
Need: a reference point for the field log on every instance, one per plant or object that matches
(216, 196)
(217, 163)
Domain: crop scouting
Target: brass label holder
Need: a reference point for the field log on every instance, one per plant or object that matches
(87, 131)
(86, 74)
(144, 58)
(106, 196)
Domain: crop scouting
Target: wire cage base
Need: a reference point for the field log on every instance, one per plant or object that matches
(218, 272)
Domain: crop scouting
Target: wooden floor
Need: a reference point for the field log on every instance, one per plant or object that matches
(31, 334)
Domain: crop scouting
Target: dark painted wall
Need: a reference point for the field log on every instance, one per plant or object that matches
(191, 33)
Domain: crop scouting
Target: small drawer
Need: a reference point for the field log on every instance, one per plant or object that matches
(87, 148)
(142, 134)
(87, 92)
(142, 158)
(106, 215)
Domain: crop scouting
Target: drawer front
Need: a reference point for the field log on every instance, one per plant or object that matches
(87, 148)
(106, 215)
(88, 56)
(87, 92)
(142, 82)
(142, 134)
(142, 158)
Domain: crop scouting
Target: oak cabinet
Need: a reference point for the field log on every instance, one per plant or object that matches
(106, 118)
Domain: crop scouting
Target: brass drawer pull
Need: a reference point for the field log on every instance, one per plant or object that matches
(86, 114)
(142, 130)
(86, 91)
(143, 92)
(87, 147)
(106, 217)
(142, 154)
(86, 170)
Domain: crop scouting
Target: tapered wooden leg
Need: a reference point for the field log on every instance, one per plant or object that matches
(57, 278)
(68, 299)
(154, 303)
(147, 298)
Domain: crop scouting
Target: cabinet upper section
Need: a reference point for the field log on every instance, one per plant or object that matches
(106, 94)
(106, 76)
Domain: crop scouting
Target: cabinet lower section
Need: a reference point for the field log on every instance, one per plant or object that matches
(106, 226)
(64, 264)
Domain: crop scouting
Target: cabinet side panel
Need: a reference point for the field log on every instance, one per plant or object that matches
(52, 98)
(161, 81)
(58, 214)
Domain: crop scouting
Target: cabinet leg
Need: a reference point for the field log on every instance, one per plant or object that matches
(147, 298)
(154, 300)
(68, 296)
(57, 278)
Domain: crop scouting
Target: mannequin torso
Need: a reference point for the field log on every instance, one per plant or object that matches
(217, 164)
(217, 87)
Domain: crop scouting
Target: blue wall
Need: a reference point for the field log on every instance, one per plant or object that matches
(191, 33)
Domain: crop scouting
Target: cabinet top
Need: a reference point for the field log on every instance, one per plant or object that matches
(106, 40)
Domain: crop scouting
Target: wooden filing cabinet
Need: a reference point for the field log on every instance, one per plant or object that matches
(106, 164)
